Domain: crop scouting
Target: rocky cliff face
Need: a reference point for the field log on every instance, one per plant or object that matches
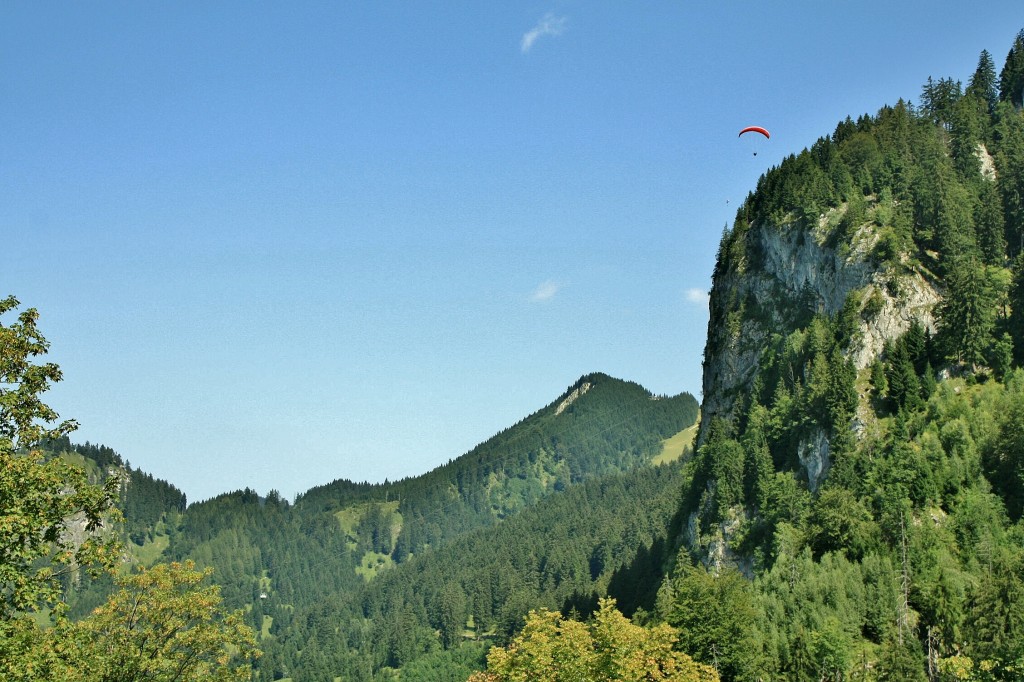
(781, 274)
(771, 279)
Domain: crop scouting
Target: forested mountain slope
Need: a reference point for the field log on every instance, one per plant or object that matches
(599, 425)
(434, 615)
(146, 501)
(328, 579)
(861, 456)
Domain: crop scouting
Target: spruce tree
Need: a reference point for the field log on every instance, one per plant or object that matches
(878, 381)
(969, 124)
(1011, 78)
(1016, 322)
(904, 388)
(967, 313)
(990, 225)
(954, 229)
(928, 382)
(938, 98)
(1008, 154)
(983, 83)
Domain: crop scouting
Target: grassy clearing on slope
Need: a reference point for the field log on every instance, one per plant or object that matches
(268, 622)
(372, 563)
(92, 471)
(678, 445)
(349, 517)
(151, 551)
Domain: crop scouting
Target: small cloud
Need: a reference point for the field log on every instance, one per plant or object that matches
(545, 291)
(697, 297)
(549, 25)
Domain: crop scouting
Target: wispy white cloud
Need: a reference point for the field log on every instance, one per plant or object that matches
(549, 25)
(697, 296)
(545, 291)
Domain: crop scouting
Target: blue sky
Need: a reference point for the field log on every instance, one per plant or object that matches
(276, 244)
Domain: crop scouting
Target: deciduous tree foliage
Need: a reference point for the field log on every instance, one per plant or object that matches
(39, 499)
(163, 625)
(609, 648)
(54, 522)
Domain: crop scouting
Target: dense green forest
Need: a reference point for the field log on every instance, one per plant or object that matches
(902, 559)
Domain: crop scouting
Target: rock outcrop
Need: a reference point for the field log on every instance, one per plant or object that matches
(787, 272)
(769, 280)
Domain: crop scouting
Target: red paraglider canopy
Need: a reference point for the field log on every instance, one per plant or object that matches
(756, 129)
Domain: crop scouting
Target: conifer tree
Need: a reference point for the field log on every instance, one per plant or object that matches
(715, 616)
(954, 228)
(758, 467)
(990, 224)
(904, 387)
(915, 342)
(968, 125)
(1016, 297)
(983, 84)
(967, 312)
(1011, 78)
(928, 382)
(996, 620)
(938, 98)
(1008, 153)
(879, 383)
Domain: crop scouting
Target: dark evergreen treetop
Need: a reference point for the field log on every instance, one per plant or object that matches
(1011, 78)
(983, 83)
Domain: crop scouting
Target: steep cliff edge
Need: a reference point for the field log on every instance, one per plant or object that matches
(773, 278)
(840, 252)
